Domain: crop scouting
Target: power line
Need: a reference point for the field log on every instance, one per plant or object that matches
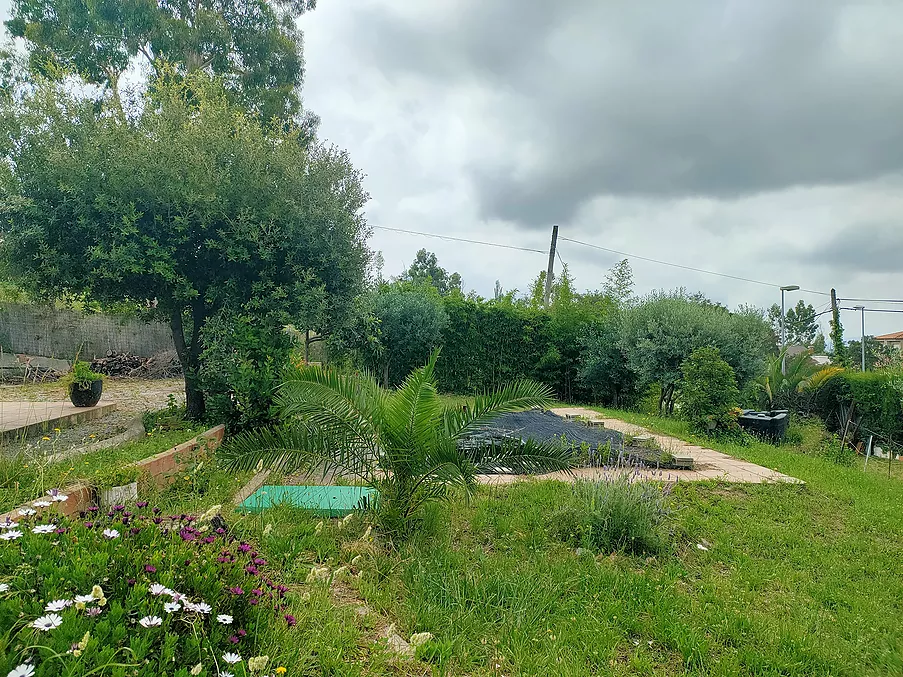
(461, 239)
(875, 310)
(683, 267)
(874, 300)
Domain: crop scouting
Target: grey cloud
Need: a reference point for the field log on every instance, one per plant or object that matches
(689, 98)
(869, 248)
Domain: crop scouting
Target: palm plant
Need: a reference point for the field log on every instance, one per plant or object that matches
(781, 386)
(402, 442)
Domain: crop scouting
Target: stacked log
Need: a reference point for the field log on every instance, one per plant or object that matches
(125, 365)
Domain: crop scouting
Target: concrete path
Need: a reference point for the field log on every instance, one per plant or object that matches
(707, 463)
(18, 419)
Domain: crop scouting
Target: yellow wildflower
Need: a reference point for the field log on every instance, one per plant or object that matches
(45, 438)
(96, 592)
(281, 670)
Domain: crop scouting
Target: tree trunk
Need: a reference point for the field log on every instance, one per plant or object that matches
(189, 357)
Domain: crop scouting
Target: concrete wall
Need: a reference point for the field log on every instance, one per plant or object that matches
(51, 332)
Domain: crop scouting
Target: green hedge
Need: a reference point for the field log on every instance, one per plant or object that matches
(879, 402)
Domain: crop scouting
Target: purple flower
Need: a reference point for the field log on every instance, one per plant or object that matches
(158, 520)
(157, 511)
(126, 514)
(234, 639)
(141, 504)
(93, 508)
(88, 525)
(281, 589)
(93, 611)
(242, 633)
(236, 591)
(149, 568)
(134, 531)
(62, 530)
(209, 539)
(187, 562)
(110, 514)
(251, 569)
(130, 582)
(118, 508)
(188, 534)
(259, 561)
(253, 601)
(257, 592)
(220, 531)
(244, 547)
(290, 620)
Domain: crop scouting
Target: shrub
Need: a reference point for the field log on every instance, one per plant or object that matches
(613, 514)
(242, 362)
(130, 592)
(708, 396)
(878, 397)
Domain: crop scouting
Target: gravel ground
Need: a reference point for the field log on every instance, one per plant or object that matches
(132, 396)
(544, 426)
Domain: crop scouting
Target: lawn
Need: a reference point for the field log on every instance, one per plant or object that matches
(796, 580)
(793, 580)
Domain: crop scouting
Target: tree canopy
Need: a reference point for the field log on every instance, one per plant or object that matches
(194, 208)
(254, 46)
(800, 323)
(425, 269)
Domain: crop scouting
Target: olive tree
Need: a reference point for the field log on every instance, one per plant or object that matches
(195, 207)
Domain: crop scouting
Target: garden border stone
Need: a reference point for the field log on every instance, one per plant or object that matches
(161, 468)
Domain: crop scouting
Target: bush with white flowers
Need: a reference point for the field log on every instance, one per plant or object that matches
(131, 592)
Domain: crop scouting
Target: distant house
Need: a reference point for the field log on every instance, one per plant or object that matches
(892, 340)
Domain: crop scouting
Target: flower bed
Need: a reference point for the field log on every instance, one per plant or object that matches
(130, 591)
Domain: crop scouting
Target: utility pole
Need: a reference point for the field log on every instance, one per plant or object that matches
(547, 292)
(837, 330)
(861, 310)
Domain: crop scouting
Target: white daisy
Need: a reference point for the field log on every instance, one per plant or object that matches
(84, 599)
(226, 674)
(111, 533)
(225, 619)
(203, 607)
(8, 524)
(151, 621)
(231, 658)
(58, 605)
(158, 589)
(4, 587)
(59, 498)
(44, 529)
(11, 535)
(27, 512)
(190, 606)
(24, 670)
(170, 607)
(48, 622)
(41, 504)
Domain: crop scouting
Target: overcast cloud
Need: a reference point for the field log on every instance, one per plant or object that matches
(760, 138)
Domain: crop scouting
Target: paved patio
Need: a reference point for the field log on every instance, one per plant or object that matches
(20, 419)
(708, 464)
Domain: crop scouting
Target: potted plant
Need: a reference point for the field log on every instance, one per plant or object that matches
(85, 386)
(118, 486)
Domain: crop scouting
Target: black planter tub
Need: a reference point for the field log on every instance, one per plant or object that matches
(769, 425)
(86, 397)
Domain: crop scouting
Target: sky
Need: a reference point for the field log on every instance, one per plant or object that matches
(757, 138)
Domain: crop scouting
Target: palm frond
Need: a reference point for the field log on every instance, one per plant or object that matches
(294, 447)
(516, 396)
(413, 412)
(529, 458)
(822, 376)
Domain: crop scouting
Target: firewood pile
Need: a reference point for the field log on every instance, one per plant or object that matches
(125, 365)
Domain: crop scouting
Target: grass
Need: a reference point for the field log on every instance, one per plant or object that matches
(25, 476)
(796, 580)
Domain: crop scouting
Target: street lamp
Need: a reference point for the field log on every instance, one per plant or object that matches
(861, 310)
(789, 287)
